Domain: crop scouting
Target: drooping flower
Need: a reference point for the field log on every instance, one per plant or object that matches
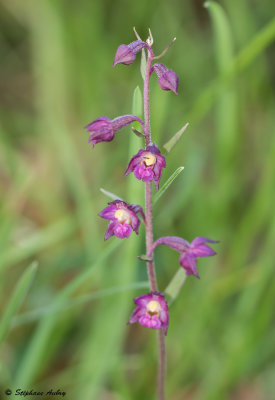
(123, 217)
(126, 54)
(103, 129)
(189, 252)
(151, 311)
(168, 79)
(147, 165)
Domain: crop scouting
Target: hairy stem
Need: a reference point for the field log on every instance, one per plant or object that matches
(149, 227)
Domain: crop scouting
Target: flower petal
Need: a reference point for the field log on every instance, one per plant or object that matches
(188, 262)
(122, 231)
(110, 230)
(202, 251)
(134, 162)
(108, 212)
(175, 242)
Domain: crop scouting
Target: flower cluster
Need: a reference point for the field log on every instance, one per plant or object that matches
(147, 165)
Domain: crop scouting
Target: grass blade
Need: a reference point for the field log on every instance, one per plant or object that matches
(16, 299)
(31, 362)
(39, 241)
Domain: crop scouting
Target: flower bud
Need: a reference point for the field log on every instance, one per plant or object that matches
(126, 54)
(103, 129)
(168, 79)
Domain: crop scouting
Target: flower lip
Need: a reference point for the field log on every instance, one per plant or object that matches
(153, 308)
(149, 159)
(123, 216)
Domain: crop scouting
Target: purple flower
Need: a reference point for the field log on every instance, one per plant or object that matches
(189, 251)
(168, 79)
(151, 311)
(126, 54)
(147, 165)
(123, 218)
(103, 129)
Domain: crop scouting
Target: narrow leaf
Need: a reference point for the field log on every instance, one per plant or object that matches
(143, 64)
(137, 103)
(110, 194)
(167, 184)
(174, 139)
(175, 285)
(16, 299)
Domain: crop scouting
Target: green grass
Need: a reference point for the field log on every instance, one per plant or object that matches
(66, 325)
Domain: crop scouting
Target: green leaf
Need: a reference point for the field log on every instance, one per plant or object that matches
(110, 194)
(174, 139)
(175, 285)
(16, 299)
(167, 184)
(143, 63)
(137, 106)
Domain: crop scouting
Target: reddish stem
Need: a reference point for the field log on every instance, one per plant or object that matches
(149, 226)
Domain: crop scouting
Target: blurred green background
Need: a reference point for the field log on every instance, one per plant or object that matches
(66, 295)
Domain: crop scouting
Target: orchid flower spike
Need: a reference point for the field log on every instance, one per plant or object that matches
(103, 129)
(123, 217)
(151, 311)
(189, 252)
(147, 165)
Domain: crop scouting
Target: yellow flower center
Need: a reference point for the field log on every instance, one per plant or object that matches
(153, 308)
(123, 216)
(149, 159)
